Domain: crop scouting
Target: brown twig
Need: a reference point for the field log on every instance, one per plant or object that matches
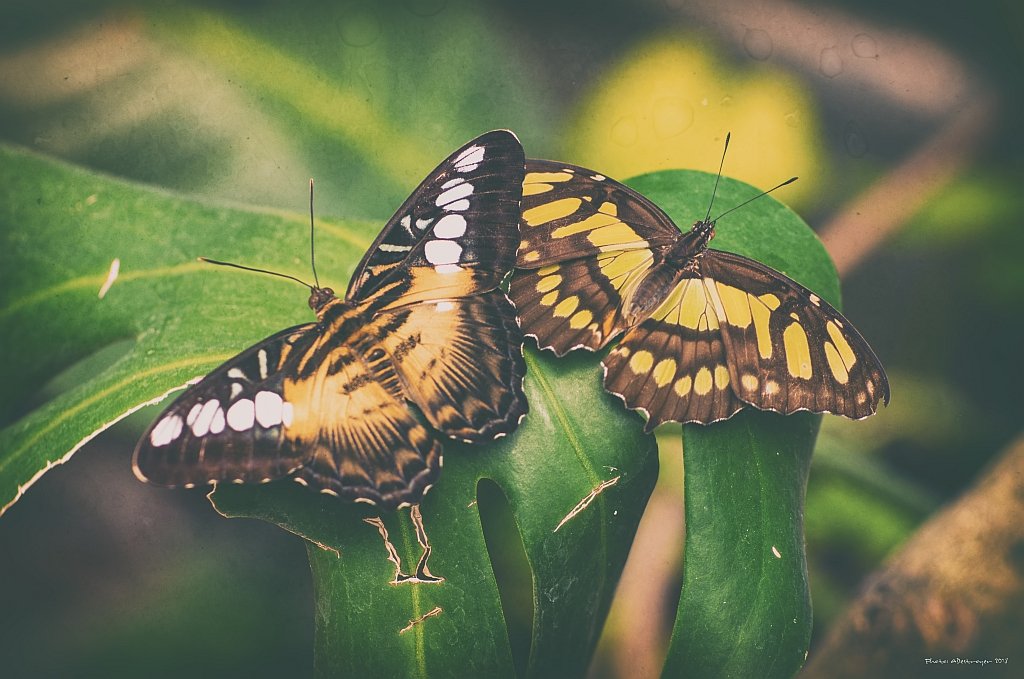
(954, 592)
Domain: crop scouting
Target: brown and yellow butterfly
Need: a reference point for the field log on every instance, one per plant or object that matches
(424, 346)
(703, 332)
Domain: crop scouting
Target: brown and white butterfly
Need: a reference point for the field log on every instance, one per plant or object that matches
(703, 332)
(424, 346)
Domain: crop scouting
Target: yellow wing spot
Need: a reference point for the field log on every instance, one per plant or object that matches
(770, 301)
(771, 387)
(835, 364)
(815, 300)
(735, 304)
(664, 371)
(549, 212)
(580, 319)
(792, 314)
(721, 377)
(862, 398)
(845, 351)
(702, 382)
(550, 298)
(534, 189)
(749, 382)
(566, 307)
(616, 234)
(609, 208)
(798, 353)
(683, 385)
(547, 270)
(623, 351)
(534, 177)
(595, 221)
(761, 314)
(548, 283)
(531, 256)
(641, 362)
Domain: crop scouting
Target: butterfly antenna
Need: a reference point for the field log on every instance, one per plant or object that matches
(312, 249)
(763, 193)
(250, 268)
(721, 164)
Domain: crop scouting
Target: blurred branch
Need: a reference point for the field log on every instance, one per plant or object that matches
(892, 200)
(955, 590)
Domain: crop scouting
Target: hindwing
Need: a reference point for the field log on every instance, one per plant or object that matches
(788, 348)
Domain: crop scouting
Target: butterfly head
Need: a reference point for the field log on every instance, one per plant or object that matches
(704, 230)
(319, 297)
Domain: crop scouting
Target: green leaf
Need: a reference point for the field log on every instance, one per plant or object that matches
(744, 610)
(168, 319)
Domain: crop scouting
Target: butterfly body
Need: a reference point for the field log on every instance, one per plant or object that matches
(702, 332)
(423, 347)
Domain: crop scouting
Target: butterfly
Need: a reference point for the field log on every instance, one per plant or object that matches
(703, 332)
(424, 346)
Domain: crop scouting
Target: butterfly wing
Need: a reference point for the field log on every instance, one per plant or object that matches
(340, 426)
(231, 426)
(456, 234)
(432, 280)
(461, 361)
(788, 349)
(587, 243)
(365, 443)
(674, 366)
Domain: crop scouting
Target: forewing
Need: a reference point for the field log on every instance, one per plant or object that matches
(673, 365)
(570, 212)
(461, 362)
(789, 349)
(458, 230)
(578, 303)
(231, 426)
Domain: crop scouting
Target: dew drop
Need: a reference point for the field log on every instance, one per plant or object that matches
(726, 101)
(864, 46)
(624, 131)
(792, 119)
(758, 43)
(830, 63)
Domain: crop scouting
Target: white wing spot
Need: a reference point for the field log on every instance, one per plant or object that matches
(445, 306)
(389, 247)
(201, 427)
(217, 425)
(241, 415)
(423, 223)
(193, 414)
(469, 159)
(166, 431)
(463, 190)
(452, 182)
(262, 355)
(236, 389)
(815, 300)
(450, 226)
(406, 221)
(268, 409)
(442, 251)
(237, 374)
(458, 206)
(599, 177)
